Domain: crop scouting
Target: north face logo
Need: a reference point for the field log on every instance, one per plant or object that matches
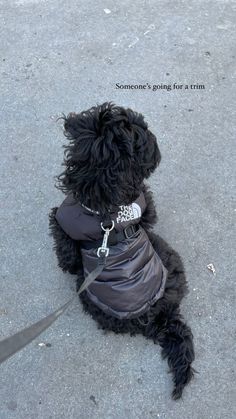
(128, 212)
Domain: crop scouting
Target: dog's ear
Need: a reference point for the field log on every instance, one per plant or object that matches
(155, 154)
(149, 156)
(146, 150)
(73, 125)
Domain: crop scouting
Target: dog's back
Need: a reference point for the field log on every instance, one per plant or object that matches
(134, 276)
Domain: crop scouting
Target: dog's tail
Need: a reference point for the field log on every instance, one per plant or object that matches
(176, 340)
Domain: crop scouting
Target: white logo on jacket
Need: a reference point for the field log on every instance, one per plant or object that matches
(128, 213)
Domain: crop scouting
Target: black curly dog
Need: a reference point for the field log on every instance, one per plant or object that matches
(134, 154)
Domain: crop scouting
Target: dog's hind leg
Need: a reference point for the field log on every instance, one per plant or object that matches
(176, 340)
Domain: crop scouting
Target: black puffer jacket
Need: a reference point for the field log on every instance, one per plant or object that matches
(134, 276)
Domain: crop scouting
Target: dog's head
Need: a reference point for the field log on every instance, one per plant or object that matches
(110, 152)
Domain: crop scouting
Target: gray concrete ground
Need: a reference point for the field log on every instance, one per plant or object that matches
(61, 56)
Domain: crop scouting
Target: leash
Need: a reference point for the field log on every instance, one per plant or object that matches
(18, 341)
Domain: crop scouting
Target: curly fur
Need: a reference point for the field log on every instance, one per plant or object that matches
(110, 153)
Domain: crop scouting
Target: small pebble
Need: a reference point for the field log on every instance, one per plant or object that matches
(42, 344)
(3, 311)
(211, 268)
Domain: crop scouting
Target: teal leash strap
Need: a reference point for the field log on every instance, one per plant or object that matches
(15, 343)
(18, 341)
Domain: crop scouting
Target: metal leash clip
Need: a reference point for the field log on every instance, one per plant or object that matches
(104, 250)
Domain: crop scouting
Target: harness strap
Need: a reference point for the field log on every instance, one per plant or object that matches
(114, 237)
